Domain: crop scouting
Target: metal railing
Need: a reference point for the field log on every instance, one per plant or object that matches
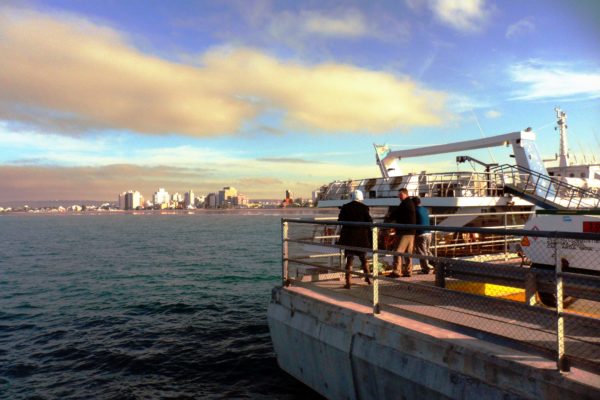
(552, 309)
(446, 184)
(546, 189)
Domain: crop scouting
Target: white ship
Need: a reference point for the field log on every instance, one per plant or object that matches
(498, 188)
(586, 176)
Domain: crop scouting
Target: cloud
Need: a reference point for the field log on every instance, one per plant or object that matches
(350, 23)
(44, 182)
(462, 15)
(66, 74)
(493, 114)
(460, 103)
(286, 160)
(546, 80)
(296, 28)
(28, 183)
(520, 28)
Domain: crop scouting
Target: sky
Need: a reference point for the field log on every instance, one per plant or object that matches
(100, 97)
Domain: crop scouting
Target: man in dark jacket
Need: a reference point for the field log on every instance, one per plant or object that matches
(404, 214)
(356, 236)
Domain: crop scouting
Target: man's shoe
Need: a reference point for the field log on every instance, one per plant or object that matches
(346, 286)
(394, 275)
(425, 271)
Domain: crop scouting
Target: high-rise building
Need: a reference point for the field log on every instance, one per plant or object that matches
(177, 198)
(200, 201)
(161, 197)
(211, 200)
(189, 199)
(133, 200)
(226, 196)
(121, 202)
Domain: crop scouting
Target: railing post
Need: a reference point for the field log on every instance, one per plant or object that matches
(530, 288)
(505, 237)
(435, 236)
(375, 269)
(561, 361)
(284, 254)
(440, 274)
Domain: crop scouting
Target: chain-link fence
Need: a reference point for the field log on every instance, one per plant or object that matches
(536, 290)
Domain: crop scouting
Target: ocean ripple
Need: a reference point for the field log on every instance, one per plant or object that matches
(140, 307)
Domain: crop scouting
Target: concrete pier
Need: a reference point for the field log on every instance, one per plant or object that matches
(333, 343)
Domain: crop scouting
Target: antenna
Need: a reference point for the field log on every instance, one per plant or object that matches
(561, 121)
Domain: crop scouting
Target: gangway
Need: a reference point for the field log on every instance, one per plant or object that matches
(544, 191)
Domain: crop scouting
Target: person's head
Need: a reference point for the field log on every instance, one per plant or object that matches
(403, 194)
(357, 195)
(417, 200)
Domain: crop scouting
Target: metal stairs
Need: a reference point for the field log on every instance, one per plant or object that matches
(544, 191)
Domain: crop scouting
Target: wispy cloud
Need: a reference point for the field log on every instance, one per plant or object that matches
(493, 114)
(62, 68)
(460, 103)
(520, 28)
(462, 15)
(350, 23)
(318, 26)
(546, 80)
(287, 160)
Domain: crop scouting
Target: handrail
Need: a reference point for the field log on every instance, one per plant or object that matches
(531, 280)
(529, 182)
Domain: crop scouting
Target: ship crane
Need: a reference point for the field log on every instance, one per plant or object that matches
(487, 166)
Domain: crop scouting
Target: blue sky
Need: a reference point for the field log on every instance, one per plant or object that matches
(99, 97)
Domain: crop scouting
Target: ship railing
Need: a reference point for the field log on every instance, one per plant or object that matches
(548, 190)
(447, 184)
(541, 293)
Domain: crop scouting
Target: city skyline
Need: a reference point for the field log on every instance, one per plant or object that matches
(99, 97)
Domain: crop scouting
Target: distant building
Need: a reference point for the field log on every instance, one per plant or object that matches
(199, 201)
(240, 201)
(288, 201)
(133, 200)
(177, 198)
(121, 201)
(189, 199)
(161, 197)
(226, 196)
(211, 200)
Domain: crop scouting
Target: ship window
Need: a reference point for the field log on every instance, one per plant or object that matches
(583, 174)
(372, 194)
(571, 175)
(551, 173)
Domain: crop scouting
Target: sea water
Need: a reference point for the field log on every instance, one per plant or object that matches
(139, 306)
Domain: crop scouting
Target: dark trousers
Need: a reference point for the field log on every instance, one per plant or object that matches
(362, 256)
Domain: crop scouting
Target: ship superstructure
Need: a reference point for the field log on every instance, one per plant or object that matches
(518, 187)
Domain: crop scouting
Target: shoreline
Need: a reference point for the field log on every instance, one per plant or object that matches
(234, 211)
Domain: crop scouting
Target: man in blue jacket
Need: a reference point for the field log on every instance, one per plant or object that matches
(422, 236)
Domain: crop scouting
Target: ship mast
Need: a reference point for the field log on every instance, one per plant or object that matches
(563, 160)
